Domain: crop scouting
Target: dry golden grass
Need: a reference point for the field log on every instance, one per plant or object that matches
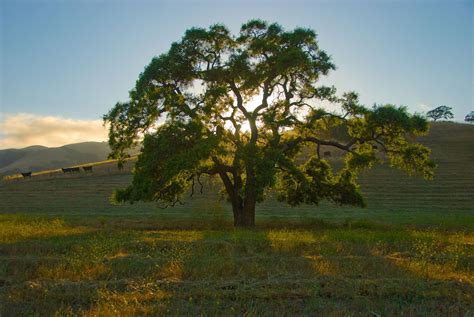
(60, 268)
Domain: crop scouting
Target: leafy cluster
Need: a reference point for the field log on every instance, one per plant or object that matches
(244, 108)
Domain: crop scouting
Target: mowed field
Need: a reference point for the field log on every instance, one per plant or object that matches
(65, 250)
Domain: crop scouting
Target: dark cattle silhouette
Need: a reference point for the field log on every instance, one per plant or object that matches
(87, 168)
(327, 154)
(70, 170)
(375, 147)
(27, 174)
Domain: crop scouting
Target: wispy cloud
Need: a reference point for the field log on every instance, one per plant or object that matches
(21, 130)
(423, 107)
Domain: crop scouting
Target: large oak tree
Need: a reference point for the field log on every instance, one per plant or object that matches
(243, 108)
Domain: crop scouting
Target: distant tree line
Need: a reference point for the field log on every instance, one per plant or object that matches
(445, 112)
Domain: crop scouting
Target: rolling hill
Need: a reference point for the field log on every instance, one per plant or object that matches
(37, 158)
(388, 191)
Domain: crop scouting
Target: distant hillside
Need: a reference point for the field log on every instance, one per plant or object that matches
(9, 156)
(385, 189)
(37, 158)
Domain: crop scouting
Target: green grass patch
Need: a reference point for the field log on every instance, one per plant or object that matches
(52, 266)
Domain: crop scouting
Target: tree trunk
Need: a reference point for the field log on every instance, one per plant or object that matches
(244, 216)
(237, 210)
(243, 208)
(247, 213)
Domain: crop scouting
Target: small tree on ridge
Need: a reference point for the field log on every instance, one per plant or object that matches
(469, 117)
(441, 112)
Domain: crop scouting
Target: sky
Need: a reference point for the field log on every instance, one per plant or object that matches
(64, 64)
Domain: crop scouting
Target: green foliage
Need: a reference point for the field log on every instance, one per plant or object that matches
(169, 158)
(315, 181)
(242, 107)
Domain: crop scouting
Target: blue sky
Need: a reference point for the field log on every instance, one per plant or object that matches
(75, 59)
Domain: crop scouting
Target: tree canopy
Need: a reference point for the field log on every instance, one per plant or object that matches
(244, 108)
(469, 117)
(441, 112)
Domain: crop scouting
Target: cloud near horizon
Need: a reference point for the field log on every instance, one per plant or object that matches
(24, 129)
(423, 107)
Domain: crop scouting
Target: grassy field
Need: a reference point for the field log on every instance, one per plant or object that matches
(65, 250)
(358, 268)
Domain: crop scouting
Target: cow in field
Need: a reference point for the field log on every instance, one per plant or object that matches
(87, 168)
(327, 154)
(70, 170)
(25, 175)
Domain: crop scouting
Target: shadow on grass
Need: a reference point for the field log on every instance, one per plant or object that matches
(318, 269)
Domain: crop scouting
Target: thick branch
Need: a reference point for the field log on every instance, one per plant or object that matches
(291, 144)
(240, 100)
(264, 104)
(217, 169)
(237, 127)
